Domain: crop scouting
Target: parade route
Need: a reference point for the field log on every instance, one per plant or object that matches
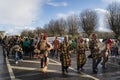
(29, 69)
(54, 68)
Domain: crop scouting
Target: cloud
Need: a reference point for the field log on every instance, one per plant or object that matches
(65, 15)
(110, 1)
(61, 15)
(101, 21)
(16, 14)
(56, 4)
(100, 10)
(11, 30)
(19, 12)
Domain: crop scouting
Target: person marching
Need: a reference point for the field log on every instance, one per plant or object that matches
(16, 49)
(18, 52)
(5, 46)
(44, 46)
(94, 48)
(65, 49)
(81, 57)
(56, 44)
(106, 51)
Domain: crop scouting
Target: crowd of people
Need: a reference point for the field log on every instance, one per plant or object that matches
(20, 46)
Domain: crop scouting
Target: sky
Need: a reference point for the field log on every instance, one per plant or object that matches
(17, 15)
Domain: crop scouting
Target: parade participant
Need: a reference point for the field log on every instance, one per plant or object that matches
(26, 46)
(12, 40)
(106, 51)
(65, 49)
(44, 46)
(21, 41)
(81, 57)
(114, 48)
(94, 48)
(56, 43)
(86, 45)
(18, 52)
(5, 46)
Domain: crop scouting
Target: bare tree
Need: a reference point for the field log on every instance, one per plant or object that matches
(24, 33)
(52, 27)
(72, 23)
(28, 33)
(38, 31)
(47, 30)
(60, 25)
(31, 33)
(88, 21)
(105, 35)
(113, 18)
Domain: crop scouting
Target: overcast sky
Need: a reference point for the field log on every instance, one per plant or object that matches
(16, 15)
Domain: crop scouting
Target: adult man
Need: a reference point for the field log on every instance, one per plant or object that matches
(5, 46)
(56, 43)
(65, 52)
(81, 57)
(44, 46)
(94, 48)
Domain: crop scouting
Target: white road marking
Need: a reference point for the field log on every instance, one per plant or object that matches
(39, 69)
(56, 71)
(83, 74)
(36, 69)
(29, 61)
(24, 68)
(12, 76)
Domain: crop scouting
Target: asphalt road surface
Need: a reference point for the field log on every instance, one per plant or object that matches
(29, 69)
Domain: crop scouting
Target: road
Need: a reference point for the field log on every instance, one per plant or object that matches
(29, 69)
